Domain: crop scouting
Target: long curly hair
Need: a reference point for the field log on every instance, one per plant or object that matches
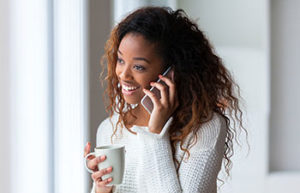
(204, 86)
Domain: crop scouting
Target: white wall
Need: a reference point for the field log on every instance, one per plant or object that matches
(285, 105)
(237, 23)
(99, 27)
(4, 98)
(284, 169)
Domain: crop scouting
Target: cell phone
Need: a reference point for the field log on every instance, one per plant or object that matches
(146, 100)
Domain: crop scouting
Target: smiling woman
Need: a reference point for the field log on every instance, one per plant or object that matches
(181, 144)
(137, 66)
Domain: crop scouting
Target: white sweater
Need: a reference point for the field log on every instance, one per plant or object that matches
(149, 166)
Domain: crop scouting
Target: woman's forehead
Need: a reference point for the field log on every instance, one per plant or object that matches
(136, 44)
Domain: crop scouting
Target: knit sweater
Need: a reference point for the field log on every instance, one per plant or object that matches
(149, 165)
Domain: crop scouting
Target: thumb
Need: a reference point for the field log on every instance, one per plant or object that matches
(87, 148)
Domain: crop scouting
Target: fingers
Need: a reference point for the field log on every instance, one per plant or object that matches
(163, 92)
(103, 182)
(93, 163)
(168, 94)
(99, 174)
(87, 148)
(172, 90)
(152, 96)
(97, 177)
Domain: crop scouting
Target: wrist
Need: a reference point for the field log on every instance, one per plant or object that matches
(160, 128)
(157, 127)
(155, 131)
(98, 190)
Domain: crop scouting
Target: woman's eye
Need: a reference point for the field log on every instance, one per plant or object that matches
(119, 60)
(139, 68)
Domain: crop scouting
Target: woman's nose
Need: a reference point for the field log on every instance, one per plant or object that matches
(125, 73)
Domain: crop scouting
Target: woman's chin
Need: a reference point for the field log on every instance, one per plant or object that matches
(131, 101)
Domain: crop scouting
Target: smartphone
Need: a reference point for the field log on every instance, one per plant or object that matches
(146, 100)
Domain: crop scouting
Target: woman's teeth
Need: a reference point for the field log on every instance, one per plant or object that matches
(129, 88)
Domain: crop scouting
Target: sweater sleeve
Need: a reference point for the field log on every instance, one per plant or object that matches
(157, 172)
(103, 137)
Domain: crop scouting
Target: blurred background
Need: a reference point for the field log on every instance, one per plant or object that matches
(51, 98)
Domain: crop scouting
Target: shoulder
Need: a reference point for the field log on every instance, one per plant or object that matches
(211, 134)
(103, 125)
(105, 130)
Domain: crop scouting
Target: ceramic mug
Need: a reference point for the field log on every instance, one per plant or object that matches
(115, 157)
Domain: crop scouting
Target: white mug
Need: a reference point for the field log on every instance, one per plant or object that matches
(115, 157)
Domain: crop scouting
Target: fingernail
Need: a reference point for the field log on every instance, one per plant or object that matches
(109, 179)
(102, 157)
(109, 169)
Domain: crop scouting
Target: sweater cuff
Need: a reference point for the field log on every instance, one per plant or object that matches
(93, 188)
(163, 133)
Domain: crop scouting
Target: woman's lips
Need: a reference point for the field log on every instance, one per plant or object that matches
(129, 90)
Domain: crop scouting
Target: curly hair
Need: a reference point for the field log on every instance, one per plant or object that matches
(202, 82)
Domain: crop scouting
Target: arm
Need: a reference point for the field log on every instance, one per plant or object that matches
(157, 170)
(102, 138)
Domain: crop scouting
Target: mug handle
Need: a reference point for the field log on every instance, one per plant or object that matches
(85, 162)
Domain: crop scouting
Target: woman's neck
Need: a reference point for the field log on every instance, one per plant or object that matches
(142, 117)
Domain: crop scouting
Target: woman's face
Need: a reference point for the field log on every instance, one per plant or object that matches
(138, 64)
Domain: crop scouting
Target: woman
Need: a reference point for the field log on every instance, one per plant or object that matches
(180, 146)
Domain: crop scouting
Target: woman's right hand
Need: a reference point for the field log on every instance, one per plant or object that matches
(100, 185)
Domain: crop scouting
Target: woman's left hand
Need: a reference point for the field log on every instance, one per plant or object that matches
(164, 107)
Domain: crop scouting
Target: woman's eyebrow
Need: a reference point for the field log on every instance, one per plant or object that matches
(143, 59)
(137, 58)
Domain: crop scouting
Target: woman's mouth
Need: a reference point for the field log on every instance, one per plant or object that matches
(129, 90)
